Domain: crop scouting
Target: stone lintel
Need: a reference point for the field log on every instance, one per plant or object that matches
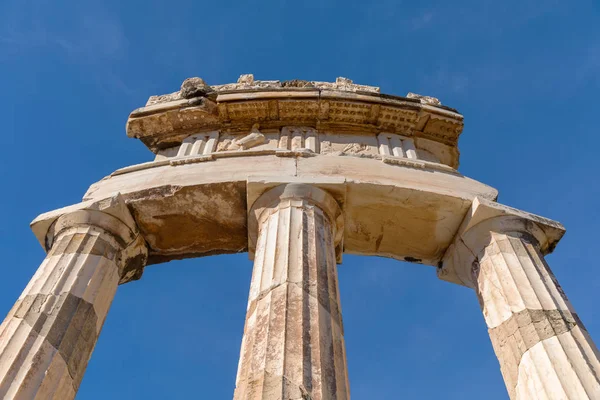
(256, 186)
(486, 216)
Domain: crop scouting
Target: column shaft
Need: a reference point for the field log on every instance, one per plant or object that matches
(543, 348)
(48, 336)
(293, 345)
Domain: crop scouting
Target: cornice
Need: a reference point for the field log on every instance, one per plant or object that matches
(334, 107)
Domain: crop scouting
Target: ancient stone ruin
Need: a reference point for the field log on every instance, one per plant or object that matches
(296, 173)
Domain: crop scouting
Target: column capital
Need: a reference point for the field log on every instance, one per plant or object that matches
(293, 194)
(109, 215)
(485, 218)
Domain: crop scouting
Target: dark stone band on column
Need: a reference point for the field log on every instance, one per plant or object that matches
(83, 243)
(70, 327)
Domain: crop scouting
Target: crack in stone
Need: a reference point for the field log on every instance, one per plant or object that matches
(265, 292)
(528, 327)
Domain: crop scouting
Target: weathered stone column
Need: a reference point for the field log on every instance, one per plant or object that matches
(293, 345)
(544, 350)
(48, 336)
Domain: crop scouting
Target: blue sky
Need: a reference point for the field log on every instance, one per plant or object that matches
(526, 75)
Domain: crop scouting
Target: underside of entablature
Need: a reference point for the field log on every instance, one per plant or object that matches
(198, 209)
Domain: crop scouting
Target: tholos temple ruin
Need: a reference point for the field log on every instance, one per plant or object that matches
(296, 173)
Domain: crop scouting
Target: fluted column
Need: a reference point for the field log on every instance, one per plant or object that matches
(48, 336)
(293, 344)
(543, 348)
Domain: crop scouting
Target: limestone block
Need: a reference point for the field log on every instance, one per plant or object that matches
(339, 108)
(293, 345)
(49, 335)
(542, 346)
(178, 206)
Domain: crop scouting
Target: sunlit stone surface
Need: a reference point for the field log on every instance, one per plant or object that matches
(293, 345)
(48, 337)
(296, 173)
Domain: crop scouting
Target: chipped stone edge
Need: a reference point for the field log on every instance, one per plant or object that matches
(114, 206)
(300, 93)
(258, 185)
(483, 217)
(390, 160)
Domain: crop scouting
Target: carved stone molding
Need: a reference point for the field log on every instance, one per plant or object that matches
(341, 107)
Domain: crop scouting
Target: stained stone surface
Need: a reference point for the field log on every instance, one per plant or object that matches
(334, 108)
(49, 335)
(194, 87)
(293, 344)
(543, 348)
(296, 173)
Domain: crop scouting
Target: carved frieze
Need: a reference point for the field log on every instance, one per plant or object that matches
(200, 144)
(247, 82)
(295, 138)
(395, 145)
(338, 108)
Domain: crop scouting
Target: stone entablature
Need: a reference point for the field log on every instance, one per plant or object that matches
(341, 108)
(307, 139)
(296, 173)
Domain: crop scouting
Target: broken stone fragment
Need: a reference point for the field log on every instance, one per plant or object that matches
(297, 83)
(246, 79)
(424, 99)
(195, 87)
(340, 80)
(254, 138)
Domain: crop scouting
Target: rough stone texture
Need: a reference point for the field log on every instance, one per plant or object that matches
(484, 217)
(341, 107)
(424, 99)
(49, 335)
(194, 209)
(253, 139)
(543, 349)
(194, 87)
(297, 83)
(293, 345)
(336, 167)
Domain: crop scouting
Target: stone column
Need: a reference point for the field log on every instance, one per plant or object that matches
(48, 336)
(544, 350)
(293, 344)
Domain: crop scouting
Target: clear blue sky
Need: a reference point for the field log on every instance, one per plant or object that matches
(526, 75)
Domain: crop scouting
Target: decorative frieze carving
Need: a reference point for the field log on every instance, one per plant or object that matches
(247, 81)
(254, 138)
(347, 85)
(295, 141)
(391, 144)
(340, 107)
(199, 144)
(295, 138)
(354, 149)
